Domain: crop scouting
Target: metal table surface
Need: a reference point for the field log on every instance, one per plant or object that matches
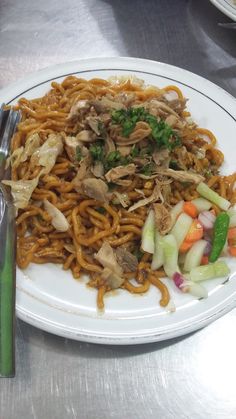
(190, 377)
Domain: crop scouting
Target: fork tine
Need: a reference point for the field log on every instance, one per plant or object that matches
(12, 120)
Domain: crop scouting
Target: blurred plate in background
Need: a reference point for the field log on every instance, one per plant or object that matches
(228, 7)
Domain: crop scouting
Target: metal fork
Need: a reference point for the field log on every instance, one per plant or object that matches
(8, 122)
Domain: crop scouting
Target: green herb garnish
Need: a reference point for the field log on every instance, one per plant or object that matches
(115, 159)
(147, 169)
(97, 151)
(134, 151)
(102, 129)
(78, 153)
(162, 133)
(128, 118)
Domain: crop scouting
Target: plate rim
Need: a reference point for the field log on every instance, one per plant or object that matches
(122, 339)
(225, 9)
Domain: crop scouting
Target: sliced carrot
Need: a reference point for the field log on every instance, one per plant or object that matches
(195, 232)
(232, 242)
(185, 246)
(190, 209)
(232, 233)
(232, 251)
(205, 260)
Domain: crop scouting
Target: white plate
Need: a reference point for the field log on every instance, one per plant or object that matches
(49, 298)
(228, 7)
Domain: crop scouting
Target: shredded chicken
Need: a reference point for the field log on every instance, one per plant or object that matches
(123, 182)
(121, 198)
(181, 175)
(162, 157)
(162, 218)
(96, 189)
(156, 194)
(126, 260)
(106, 103)
(109, 145)
(119, 172)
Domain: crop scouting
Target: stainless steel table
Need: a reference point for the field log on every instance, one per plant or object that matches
(191, 377)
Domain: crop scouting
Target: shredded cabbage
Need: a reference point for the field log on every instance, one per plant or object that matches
(31, 145)
(22, 190)
(47, 154)
(58, 221)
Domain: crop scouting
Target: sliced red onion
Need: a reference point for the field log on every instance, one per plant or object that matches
(178, 279)
(180, 282)
(207, 219)
(208, 247)
(207, 235)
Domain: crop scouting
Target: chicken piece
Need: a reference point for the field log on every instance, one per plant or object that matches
(106, 103)
(112, 272)
(107, 257)
(93, 122)
(86, 136)
(80, 107)
(113, 280)
(82, 173)
(126, 260)
(96, 189)
(71, 144)
(142, 131)
(181, 175)
(97, 169)
(119, 172)
(155, 105)
(163, 219)
(109, 145)
(124, 150)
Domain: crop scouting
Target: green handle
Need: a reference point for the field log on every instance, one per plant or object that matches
(7, 292)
